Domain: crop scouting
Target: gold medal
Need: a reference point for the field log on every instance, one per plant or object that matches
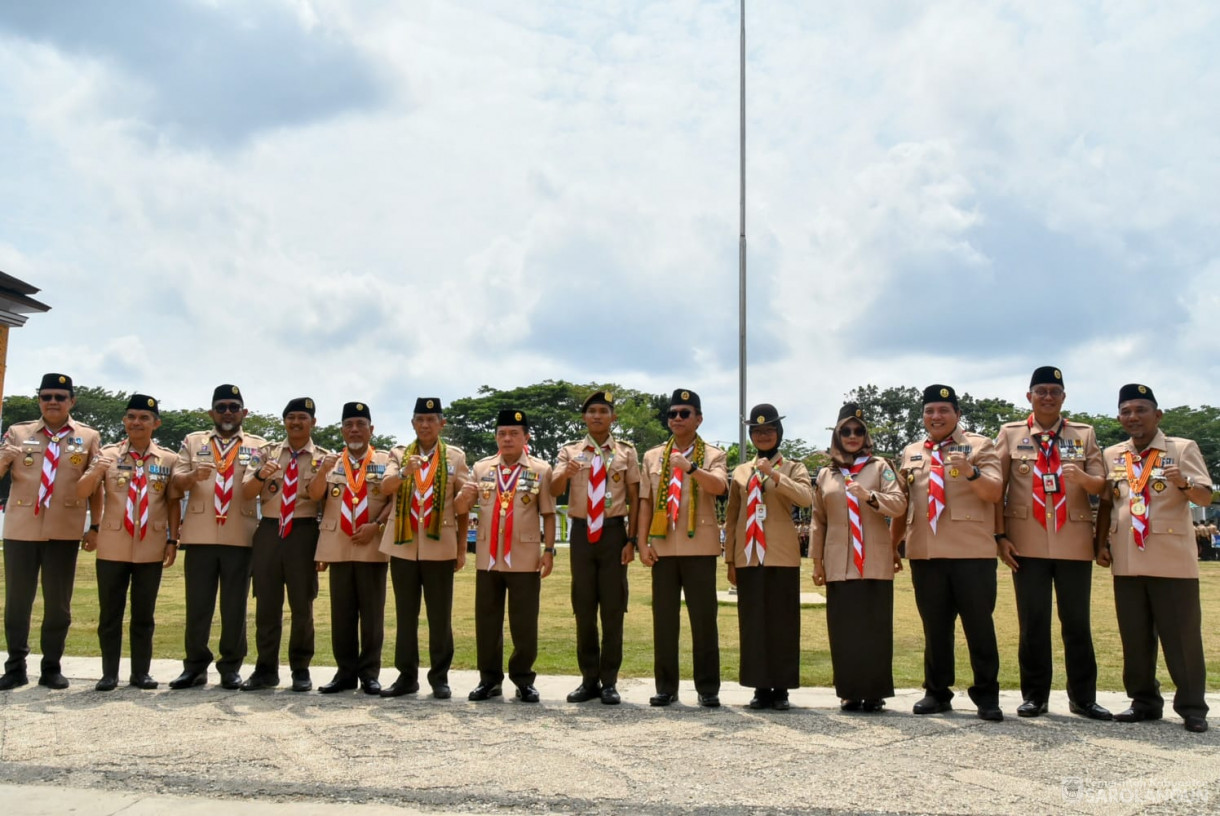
(1138, 507)
(1023, 468)
(525, 499)
(954, 472)
(1158, 486)
(616, 477)
(28, 460)
(77, 459)
(122, 481)
(158, 486)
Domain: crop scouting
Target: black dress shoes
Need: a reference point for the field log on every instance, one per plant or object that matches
(583, 693)
(107, 683)
(339, 684)
(991, 713)
(762, 699)
(12, 680)
(143, 681)
(1196, 724)
(54, 680)
(872, 705)
(1031, 708)
(256, 682)
(1093, 711)
(301, 681)
(188, 679)
(370, 685)
(230, 680)
(1133, 715)
(709, 700)
(610, 696)
(441, 691)
(662, 699)
(931, 705)
(854, 705)
(400, 687)
(779, 700)
(484, 691)
(527, 694)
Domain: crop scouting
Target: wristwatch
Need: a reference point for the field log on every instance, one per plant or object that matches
(693, 468)
(548, 550)
(977, 473)
(93, 528)
(872, 500)
(1190, 483)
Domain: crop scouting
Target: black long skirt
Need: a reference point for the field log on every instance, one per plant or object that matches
(769, 620)
(860, 624)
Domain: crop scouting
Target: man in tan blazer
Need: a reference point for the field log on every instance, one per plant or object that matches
(43, 523)
(604, 478)
(426, 541)
(353, 520)
(1050, 467)
(217, 532)
(678, 491)
(1144, 535)
(138, 537)
(285, 543)
(513, 555)
(953, 480)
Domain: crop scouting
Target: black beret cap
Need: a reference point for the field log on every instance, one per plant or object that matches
(939, 393)
(763, 414)
(60, 382)
(300, 404)
(143, 402)
(1046, 375)
(598, 398)
(1134, 391)
(851, 410)
(356, 409)
(683, 396)
(227, 392)
(428, 405)
(509, 417)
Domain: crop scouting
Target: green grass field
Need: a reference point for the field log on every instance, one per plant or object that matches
(557, 639)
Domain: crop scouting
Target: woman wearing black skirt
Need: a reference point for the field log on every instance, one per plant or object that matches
(849, 542)
(764, 561)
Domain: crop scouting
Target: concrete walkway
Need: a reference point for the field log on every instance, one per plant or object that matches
(197, 750)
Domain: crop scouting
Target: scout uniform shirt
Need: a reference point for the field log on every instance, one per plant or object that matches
(830, 536)
(199, 522)
(706, 540)
(622, 468)
(421, 547)
(1018, 447)
(334, 545)
(966, 528)
(789, 487)
(523, 502)
(114, 543)
(25, 446)
(309, 459)
(1169, 543)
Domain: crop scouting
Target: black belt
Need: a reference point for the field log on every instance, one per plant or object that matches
(620, 519)
(276, 522)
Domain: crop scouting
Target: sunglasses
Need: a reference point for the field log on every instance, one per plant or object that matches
(54, 397)
(684, 413)
(227, 407)
(852, 430)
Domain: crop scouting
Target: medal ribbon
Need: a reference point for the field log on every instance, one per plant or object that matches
(288, 498)
(853, 514)
(137, 498)
(1048, 462)
(936, 481)
(421, 494)
(1137, 487)
(506, 492)
(50, 466)
(597, 494)
(222, 494)
(354, 512)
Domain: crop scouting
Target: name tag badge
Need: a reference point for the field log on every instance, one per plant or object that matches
(915, 457)
(761, 512)
(1050, 483)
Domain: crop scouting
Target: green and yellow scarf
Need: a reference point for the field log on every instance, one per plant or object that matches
(403, 534)
(660, 519)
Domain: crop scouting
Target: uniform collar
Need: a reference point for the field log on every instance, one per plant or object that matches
(1158, 443)
(591, 443)
(523, 461)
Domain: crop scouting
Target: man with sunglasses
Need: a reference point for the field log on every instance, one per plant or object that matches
(43, 523)
(678, 492)
(1044, 524)
(217, 535)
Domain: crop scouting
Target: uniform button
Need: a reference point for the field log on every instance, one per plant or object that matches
(1171, 529)
(1049, 515)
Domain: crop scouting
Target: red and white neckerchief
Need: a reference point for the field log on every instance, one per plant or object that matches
(597, 494)
(288, 498)
(421, 494)
(506, 492)
(936, 481)
(137, 498)
(853, 513)
(224, 454)
(1048, 462)
(673, 498)
(756, 535)
(1137, 488)
(354, 510)
(50, 466)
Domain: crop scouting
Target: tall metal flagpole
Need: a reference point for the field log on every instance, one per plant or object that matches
(741, 256)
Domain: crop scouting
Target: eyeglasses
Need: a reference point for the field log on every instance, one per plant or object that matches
(227, 407)
(1048, 392)
(852, 430)
(54, 397)
(684, 413)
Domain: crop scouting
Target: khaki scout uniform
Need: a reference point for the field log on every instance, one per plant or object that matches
(216, 554)
(769, 592)
(123, 559)
(1060, 559)
(521, 581)
(47, 542)
(285, 566)
(423, 569)
(830, 532)
(685, 565)
(954, 569)
(357, 574)
(1156, 590)
(599, 576)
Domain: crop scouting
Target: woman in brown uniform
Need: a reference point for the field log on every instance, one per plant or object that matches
(853, 558)
(763, 554)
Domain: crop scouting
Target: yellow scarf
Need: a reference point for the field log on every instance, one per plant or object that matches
(660, 519)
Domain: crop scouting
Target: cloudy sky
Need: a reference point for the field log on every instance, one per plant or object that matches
(378, 199)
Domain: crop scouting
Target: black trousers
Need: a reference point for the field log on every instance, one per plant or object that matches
(860, 627)
(284, 566)
(431, 582)
(524, 590)
(694, 575)
(208, 567)
(599, 585)
(1072, 582)
(769, 623)
(944, 589)
(113, 580)
(357, 614)
(1169, 608)
(23, 561)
